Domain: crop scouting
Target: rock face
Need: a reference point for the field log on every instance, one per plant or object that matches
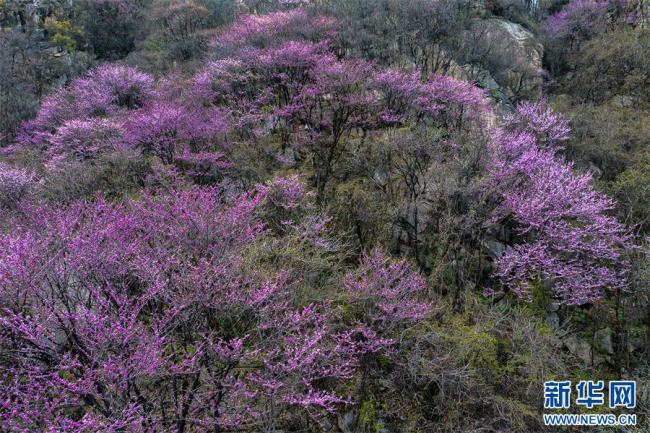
(347, 421)
(579, 348)
(595, 351)
(511, 54)
(604, 341)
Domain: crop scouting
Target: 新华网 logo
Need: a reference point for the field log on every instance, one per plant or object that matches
(589, 394)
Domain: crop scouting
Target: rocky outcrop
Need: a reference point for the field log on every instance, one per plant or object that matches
(510, 53)
(581, 349)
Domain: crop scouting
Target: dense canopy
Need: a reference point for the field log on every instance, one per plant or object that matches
(281, 230)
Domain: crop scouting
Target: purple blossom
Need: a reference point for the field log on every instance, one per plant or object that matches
(539, 119)
(108, 89)
(15, 183)
(444, 98)
(568, 238)
(578, 20)
(265, 30)
(162, 129)
(388, 291)
(84, 139)
(109, 305)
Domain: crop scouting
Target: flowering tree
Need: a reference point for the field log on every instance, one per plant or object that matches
(105, 90)
(387, 291)
(578, 20)
(270, 29)
(446, 100)
(163, 129)
(581, 19)
(117, 109)
(143, 316)
(84, 139)
(539, 120)
(15, 183)
(567, 237)
(318, 104)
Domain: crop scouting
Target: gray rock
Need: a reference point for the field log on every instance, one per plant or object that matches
(579, 348)
(589, 354)
(553, 320)
(326, 425)
(513, 53)
(644, 390)
(347, 421)
(603, 341)
(495, 248)
(593, 168)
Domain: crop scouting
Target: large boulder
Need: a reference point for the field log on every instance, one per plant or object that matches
(511, 54)
(579, 348)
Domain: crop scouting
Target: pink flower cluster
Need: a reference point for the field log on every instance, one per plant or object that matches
(15, 183)
(145, 316)
(568, 239)
(582, 19)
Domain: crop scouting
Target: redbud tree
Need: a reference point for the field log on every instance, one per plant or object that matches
(317, 104)
(143, 316)
(568, 238)
(15, 184)
(118, 108)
